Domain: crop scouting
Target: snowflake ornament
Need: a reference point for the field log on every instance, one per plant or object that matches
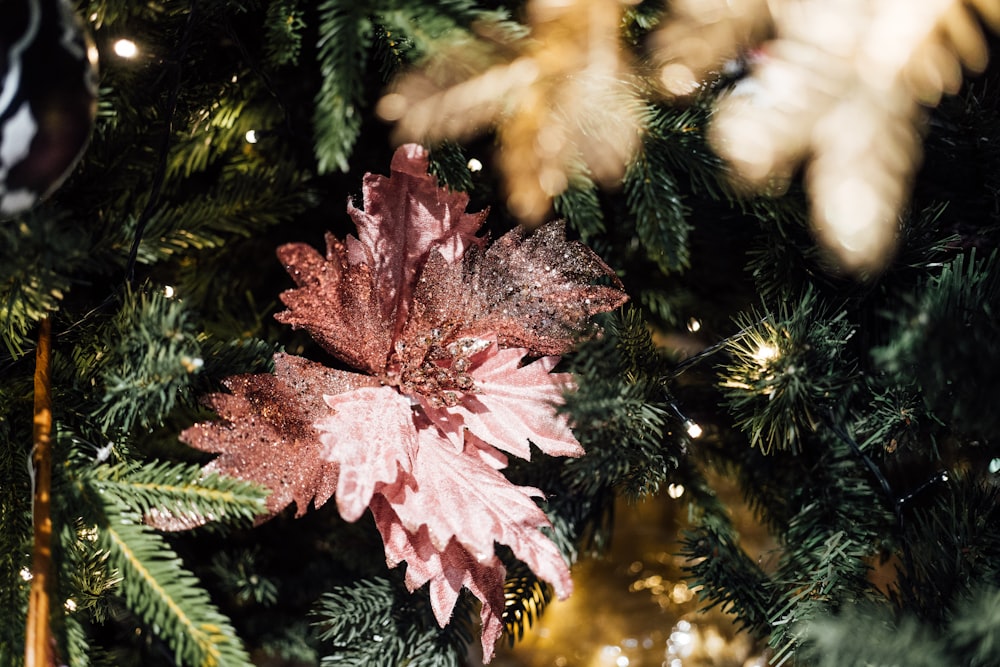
(437, 324)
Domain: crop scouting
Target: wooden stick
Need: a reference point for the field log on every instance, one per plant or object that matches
(39, 644)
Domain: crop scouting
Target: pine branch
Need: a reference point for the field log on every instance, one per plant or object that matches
(164, 489)
(786, 367)
(728, 578)
(867, 636)
(166, 596)
(149, 369)
(367, 629)
(448, 163)
(955, 542)
(283, 33)
(654, 199)
(37, 258)
(949, 322)
(350, 615)
(346, 35)
(839, 525)
(620, 414)
(15, 526)
(579, 204)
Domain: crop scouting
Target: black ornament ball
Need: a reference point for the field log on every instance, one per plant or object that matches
(48, 98)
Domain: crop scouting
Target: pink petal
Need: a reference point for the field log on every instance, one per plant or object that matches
(371, 437)
(405, 216)
(447, 570)
(458, 495)
(512, 404)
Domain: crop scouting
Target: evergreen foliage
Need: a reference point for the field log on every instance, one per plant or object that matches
(857, 417)
(366, 625)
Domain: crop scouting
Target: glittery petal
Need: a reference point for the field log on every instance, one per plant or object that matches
(266, 436)
(512, 404)
(371, 437)
(537, 289)
(337, 303)
(532, 291)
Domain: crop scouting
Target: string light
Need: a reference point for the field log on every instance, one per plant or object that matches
(765, 353)
(474, 165)
(675, 491)
(169, 291)
(251, 136)
(126, 48)
(694, 324)
(693, 429)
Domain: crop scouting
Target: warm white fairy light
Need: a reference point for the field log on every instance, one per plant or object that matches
(26, 574)
(693, 429)
(251, 136)
(765, 353)
(994, 467)
(126, 48)
(192, 364)
(474, 165)
(70, 604)
(169, 291)
(675, 491)
(694, 325)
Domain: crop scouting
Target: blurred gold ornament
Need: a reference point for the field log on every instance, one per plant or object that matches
(559, 96)
(840, 85)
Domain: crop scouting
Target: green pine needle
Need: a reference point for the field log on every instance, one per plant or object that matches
(167, 597)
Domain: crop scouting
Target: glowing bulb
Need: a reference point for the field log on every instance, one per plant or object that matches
(694, 324)
(474, 165)
(765, 353)
(251, 136)
(26, 574)
(675, 491)
(70, 604)
(169, 291)
(994, 466)
(693, 429)
(126, 48)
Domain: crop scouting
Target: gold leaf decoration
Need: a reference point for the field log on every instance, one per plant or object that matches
(558, 97)
(839, 86)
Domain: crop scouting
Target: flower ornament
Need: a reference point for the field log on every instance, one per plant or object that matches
(437, 325)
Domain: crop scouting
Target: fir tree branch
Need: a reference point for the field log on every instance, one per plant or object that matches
(178, 489)
(660, 216)
(346, 31)
(167, 596)
(158, 177)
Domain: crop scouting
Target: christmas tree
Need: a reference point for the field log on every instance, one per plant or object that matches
(345, 333)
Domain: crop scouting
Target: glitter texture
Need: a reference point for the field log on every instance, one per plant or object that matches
(267, 434)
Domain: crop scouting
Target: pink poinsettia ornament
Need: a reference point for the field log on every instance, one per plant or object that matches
(438, 325)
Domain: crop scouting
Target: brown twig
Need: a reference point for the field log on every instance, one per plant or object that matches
(39, 645)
